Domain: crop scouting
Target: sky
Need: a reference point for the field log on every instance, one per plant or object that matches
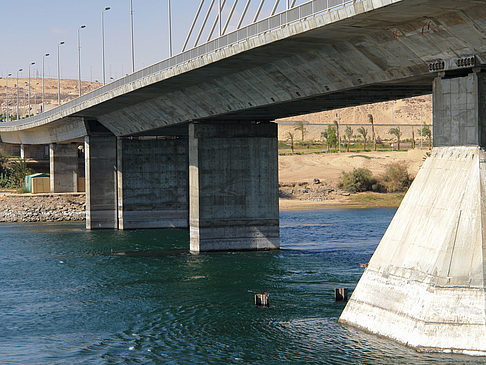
(32, 28)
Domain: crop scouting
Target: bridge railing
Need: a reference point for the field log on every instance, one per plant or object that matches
(309, 9)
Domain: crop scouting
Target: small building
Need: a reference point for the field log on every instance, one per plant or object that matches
(38, 183)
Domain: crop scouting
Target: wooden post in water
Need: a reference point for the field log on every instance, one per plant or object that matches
(341, 294)
(261, 300)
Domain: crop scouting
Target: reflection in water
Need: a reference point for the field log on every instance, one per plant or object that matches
(66, 298)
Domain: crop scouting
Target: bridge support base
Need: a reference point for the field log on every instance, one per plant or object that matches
(63, 165)
(152, 182)
(233, 186)
(425, 285)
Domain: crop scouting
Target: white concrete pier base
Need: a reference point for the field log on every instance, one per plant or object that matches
(425, 284)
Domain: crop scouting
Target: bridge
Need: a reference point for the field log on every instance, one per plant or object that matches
(189, 142)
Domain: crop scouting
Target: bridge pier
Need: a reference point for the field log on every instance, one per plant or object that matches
(63, 166)
(233, 186)
(100, 181)
(152, 182)
(425, 285)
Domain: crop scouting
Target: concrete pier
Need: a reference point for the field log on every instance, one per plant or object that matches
(152, 182)
(233, 186)
(425, 285)
(63, 166)
(100, 174)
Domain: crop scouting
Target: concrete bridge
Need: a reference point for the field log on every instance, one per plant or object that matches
(189, 142)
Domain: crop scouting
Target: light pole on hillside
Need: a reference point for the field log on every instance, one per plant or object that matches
(30, 65)
(43, 74)
(18, 112)
(79, 58)
(6, 86)
(131, 29)
(59, 74)
(103, 42)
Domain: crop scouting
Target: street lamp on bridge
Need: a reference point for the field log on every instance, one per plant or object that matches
(79, 58)
(30, 65)
(103, 41)
(43, 98)
(59, 74)
(18, 112)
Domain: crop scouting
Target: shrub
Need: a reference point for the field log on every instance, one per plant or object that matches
(396, 178)
(358, 180)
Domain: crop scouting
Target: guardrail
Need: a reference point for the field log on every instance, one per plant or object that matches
(309, 9)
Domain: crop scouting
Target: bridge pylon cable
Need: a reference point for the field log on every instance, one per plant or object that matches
(216, 21)
(244, 13)
(293, 3)
(274, 10)
(204, 23)
(230, 16)
(258, 11)
(193, 24)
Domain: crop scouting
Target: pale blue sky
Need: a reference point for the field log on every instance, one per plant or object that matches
(34, 27)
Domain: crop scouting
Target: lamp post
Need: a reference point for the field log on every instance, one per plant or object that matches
(6, 86)
(59, 74)
(43, 99)
(131, 27)
(170, 30)
(79, 58)
(30, 64)
(103, 42)
(18, 112)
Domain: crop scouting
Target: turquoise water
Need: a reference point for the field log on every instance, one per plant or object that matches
(64, 299)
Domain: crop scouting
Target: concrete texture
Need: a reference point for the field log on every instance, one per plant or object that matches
(425, 284)
(233, 186)
(34, 152)
(63, 166)
(100, 175)
(460, 110)
(373, 50)
(153, 178)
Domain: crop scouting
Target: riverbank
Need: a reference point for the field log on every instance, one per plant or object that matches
(42, 207)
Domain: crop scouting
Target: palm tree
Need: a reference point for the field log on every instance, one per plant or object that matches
(325, 136)
(291, 138)
(425, 131)
(370, 118)
(336, 125)
(300, 127)
(364, 132)
(349, 134)
(397, 133)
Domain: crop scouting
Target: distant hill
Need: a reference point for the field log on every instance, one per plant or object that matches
(69, 91)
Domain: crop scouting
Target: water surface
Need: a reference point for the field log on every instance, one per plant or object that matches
(64, 299)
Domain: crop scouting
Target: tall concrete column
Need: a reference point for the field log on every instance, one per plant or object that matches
(152, 182)
(233, 186)
(63, 165)
(425, 285)
(100, 180)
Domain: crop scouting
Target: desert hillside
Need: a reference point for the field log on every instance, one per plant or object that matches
(69, 91)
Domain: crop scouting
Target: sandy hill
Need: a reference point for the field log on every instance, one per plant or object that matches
(69, 91)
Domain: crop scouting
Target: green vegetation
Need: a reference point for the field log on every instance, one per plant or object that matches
(397, 133)
(358, 180)
(395, 180)
(12, 174)
(300, 127)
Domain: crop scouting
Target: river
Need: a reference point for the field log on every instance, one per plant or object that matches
(65, 299)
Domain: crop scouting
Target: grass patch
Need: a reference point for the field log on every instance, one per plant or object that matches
(377, 200)
(362, 156)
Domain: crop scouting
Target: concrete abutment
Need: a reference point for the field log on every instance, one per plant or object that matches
(425, 285)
